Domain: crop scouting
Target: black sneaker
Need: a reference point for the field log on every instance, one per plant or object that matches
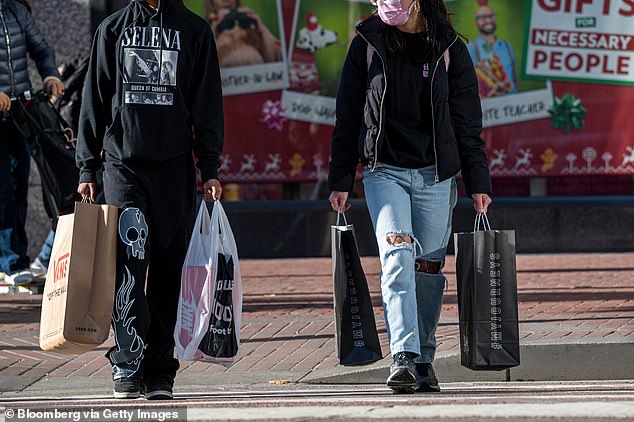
(402, 377)
(426, 381)
(159, 391)
(127, 388)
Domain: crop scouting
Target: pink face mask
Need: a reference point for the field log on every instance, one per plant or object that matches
(391, 12)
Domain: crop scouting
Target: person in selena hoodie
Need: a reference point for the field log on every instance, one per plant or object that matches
(408, 109)
(152, 95)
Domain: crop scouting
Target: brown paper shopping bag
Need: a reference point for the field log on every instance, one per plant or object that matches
(80, 283)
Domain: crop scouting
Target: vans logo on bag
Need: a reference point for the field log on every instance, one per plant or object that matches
(60, 268)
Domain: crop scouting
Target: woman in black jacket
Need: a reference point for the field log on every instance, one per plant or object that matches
(408, 109)
(18, 37)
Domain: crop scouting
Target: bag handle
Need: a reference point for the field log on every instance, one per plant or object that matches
(226, 234)
(481, 220)
(203, 220)
(339, 215)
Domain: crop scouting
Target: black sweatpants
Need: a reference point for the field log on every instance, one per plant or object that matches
(156, 213)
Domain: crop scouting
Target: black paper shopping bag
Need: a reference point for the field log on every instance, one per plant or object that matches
(487, 299)
(220, 341)
(356, 335)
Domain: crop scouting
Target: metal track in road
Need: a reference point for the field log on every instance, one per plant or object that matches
(461, 402)
(455, 392)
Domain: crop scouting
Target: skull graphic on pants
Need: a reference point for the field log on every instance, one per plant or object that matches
(133, 231)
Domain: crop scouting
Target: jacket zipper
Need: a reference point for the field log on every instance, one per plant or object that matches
(9, 58)
(433, 117)
(378, 135)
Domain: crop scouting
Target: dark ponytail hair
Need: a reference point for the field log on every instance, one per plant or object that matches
(434, 13)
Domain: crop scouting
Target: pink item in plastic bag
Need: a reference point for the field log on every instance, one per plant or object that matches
(194, 333)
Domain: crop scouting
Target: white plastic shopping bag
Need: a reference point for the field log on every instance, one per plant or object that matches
(210, 307)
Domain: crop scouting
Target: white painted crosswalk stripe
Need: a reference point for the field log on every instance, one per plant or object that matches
(586, 410)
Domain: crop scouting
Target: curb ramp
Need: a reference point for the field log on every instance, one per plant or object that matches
(561, 361)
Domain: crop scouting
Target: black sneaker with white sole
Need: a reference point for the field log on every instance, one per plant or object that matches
(402, 377)
(19, 278)
(159, 391)
(426, 381)
(127, 388)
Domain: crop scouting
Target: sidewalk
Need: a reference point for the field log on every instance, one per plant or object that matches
(288, 331)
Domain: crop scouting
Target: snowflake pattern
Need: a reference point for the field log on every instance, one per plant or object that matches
(273, 115)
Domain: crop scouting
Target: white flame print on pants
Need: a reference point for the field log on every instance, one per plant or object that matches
(126, 336)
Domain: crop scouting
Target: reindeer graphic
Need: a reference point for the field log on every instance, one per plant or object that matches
(500, 157)
(525, 159)
(225, 163)
(274, 163)
(629, 157)
(249, 163)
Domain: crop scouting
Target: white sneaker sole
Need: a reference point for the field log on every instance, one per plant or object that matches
(402, 381)
(127, 395)
(20, 279)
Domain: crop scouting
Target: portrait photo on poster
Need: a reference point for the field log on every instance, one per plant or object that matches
(250, 40)
(496, 31)
(322, 32)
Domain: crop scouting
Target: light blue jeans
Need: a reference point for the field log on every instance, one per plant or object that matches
(47, 248)
(7, 257)
(409, 202)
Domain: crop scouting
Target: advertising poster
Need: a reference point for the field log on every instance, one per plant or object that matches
(250, 40)
(587, 131)
(322, 31)
(496, 31)
(261, 144)
(590, 41)
(537, 123)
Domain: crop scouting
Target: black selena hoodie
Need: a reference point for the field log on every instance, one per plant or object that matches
(153, 81)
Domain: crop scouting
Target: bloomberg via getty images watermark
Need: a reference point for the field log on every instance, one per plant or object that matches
(92, 414)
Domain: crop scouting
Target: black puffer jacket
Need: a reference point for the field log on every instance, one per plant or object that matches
(19, 36)
(457, 113)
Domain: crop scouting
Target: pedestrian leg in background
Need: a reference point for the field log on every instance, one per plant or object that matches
(19, 243)
(7, 204)
(130, 319)
(432, 210)
(10, 259)
(39, 266)
(171, 207)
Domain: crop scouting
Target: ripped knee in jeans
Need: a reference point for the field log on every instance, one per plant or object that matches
(429, 266)
(399, 239)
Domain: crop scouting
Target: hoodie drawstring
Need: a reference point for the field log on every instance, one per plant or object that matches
(135, 18)
(158, 81)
